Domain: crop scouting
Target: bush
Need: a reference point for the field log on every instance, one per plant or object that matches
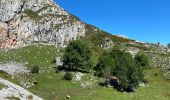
(35, 70)
(142, 60)
(156, 74)
(68, 76)
(123, 66)
(77, 57)
(105, 65)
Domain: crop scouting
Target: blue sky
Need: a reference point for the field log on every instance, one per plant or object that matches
(144, 20)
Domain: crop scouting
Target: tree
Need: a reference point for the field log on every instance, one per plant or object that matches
(77, 57)
(104, 61)
(127, 71)
(122, 65)
(142, 60)
(105, 66)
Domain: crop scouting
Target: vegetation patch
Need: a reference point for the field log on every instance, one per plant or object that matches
(2, 86)
(13, 98)
(51, 87)
(33, 55)
(33, 15)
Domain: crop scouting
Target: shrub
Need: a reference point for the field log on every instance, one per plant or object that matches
(123, 66)
(105, 66)
(77, 57)
(68, 76)
(142, 60)
(156, 74)
(35, 70)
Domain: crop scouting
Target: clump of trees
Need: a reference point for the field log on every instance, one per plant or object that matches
(128, 70)
(77, 57)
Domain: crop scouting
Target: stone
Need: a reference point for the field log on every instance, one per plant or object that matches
(78, 76)
(68, 97)
(58, 61)
(107, 43)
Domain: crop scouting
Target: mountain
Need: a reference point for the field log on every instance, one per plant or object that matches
(33, 34)
(23, 22)
(26, 21)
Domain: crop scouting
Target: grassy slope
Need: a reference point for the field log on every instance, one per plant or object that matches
(41, 55)
(52, 87)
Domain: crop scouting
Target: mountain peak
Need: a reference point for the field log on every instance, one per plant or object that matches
(23, 22)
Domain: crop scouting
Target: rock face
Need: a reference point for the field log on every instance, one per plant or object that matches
(160, 56)
(14, 68)
(27, 21)
(13, 90)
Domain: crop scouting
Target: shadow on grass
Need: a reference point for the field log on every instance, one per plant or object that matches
(116, 87)
(62, 68)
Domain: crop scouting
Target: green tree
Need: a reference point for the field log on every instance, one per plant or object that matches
(142, 60)
(77, 57)
(122, 65)
(127, 71)
(105, 66)
(105, 60)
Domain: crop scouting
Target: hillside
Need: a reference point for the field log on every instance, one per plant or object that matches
(34, 35)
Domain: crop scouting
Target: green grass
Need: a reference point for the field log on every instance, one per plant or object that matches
(13, 98)
(52, 87)
(2, 86)
(33, 55)
(33, 15)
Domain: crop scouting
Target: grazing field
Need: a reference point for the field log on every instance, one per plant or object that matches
(33, 55)
(51, 87)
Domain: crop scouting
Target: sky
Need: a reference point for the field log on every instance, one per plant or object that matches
(143, 20)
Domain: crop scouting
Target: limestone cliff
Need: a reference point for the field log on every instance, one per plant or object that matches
(27, 21)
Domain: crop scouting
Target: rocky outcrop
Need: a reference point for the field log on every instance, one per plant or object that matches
(106, 43)
(160, 56)
(26, 21)
(13, 90)
(14, 68)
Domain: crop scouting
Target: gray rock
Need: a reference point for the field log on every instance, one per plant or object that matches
(26, 21)
(78, 76)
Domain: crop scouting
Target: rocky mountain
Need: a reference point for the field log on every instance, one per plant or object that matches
(48, 26)
(27, 21)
